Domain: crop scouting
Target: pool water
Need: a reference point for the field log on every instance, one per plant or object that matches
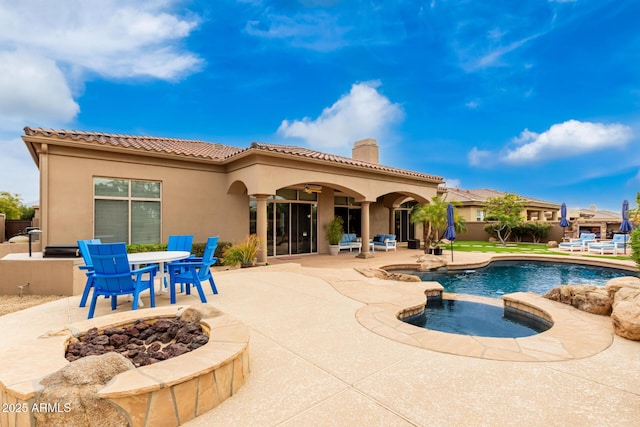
(504, 277)
(470, 318)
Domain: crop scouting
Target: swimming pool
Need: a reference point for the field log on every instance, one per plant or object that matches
(472, 318)
(504, 277)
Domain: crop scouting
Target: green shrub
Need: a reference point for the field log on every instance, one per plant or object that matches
(519, 231)
(197, 249)
(220, 250)
(538, 230)
(243, 253)
(491, 230)
(146, 247)
(635, 246)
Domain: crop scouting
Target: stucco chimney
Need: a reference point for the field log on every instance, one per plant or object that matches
(365, 150)
(592, 208)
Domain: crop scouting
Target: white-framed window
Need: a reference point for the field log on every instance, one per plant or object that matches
(126, 210)
(480, 215)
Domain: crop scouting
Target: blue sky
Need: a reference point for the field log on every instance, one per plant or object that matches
(540, 98)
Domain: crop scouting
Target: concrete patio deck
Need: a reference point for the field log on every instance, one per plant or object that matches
(314, 363)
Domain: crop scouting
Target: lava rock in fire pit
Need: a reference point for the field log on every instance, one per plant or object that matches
(118, 340)
(176, 349)
(144, 342)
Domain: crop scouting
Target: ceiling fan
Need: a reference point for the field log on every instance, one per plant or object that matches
(310, 188)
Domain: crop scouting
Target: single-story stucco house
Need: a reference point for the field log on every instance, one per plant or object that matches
(471, 205)
(141, 189)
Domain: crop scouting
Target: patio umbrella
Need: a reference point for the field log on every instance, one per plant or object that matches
(625, 226)
(564, 223)
(450, 232)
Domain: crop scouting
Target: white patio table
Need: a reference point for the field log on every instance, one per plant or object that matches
(157, 257)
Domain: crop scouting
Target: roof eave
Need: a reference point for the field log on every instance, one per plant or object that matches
(31, 140)
(32, 150)
(259, 151)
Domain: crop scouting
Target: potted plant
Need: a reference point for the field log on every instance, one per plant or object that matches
(243, 253)
(334, 232)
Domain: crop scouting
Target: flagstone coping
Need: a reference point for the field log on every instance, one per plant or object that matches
(170, 392)
(574, 334)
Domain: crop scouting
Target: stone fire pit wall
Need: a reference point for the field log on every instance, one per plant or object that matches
(167, 393)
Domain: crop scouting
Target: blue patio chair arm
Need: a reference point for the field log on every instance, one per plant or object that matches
(145, 269)
(112, 276)
(191, 258)
(210, 262)
(178, 266)
(85, 267)
(185, 264)
(150, 268)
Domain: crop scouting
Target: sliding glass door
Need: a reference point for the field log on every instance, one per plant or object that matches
(291, 228)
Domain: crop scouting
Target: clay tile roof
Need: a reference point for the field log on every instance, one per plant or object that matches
(305, 152)
(207, 150)
(182, 147)
(483, 194)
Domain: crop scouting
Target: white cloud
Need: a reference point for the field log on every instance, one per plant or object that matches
(478, 157)
(567, 139)
(28, 85)
(452, 182)
(18, 172)
(473, 104)
(111, 38)
(362, 113)
(635, 180)
(317, 31)
(494, 57)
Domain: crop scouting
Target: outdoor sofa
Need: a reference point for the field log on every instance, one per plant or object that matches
(384, 241)
(350, 241)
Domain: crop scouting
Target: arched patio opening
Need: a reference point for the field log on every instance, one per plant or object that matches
(295, 217)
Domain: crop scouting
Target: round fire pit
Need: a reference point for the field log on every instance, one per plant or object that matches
(168, 392)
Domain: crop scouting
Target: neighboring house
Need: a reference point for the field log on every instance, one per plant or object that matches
(472, 205)
(141, 189)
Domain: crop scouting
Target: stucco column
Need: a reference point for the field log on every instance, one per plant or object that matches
(261, 226)
(392, 223)
(541, 216)
(364, 232)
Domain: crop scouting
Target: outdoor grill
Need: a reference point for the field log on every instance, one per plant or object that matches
(61, 251)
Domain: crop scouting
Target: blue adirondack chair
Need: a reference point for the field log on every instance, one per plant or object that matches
(88, 266)
(194, 271)
(114, 277)
(178, 243)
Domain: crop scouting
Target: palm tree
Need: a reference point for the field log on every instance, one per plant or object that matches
(433, 216)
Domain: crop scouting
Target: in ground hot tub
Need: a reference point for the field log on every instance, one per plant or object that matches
(478, 319)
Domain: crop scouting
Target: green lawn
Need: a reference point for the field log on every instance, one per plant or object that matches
(516, 248)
